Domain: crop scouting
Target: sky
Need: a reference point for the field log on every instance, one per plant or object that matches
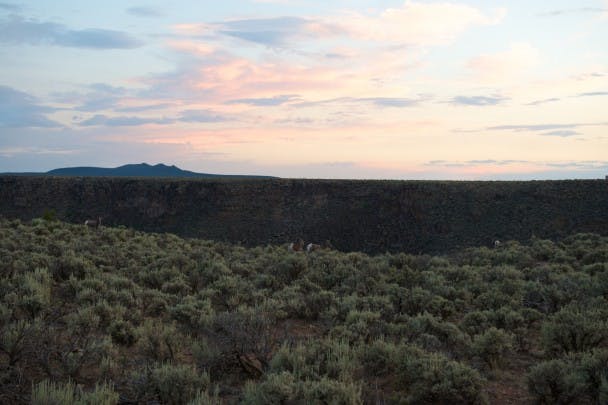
(357, 89)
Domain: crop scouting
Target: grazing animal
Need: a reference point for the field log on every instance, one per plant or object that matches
(497, 243)
(296, 246)
(93, 223)
(311, 247)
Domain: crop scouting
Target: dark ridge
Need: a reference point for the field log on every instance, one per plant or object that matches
(138, 170)
(134, 170)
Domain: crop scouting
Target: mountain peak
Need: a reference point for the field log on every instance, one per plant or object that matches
(139, 170)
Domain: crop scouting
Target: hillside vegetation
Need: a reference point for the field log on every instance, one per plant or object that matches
(115, 315)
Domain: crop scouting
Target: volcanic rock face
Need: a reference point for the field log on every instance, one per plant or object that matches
(368, 216)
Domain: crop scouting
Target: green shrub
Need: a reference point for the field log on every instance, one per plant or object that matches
(84, 322)
(476, 322)
(451, 338)
(35, 292)
(432, 378)
(247, 330)
(158, 341)
(56, 393)
(84, 354)
(594, 366)
(379, 358)
(556, 382)
(193, 313)
(108, 313)
(317, 304)
(288, 268)
(360, 326)
(18, 338)
(335, 359)
(419, 300)
(306, 300)
(493, 346)
(154, 303)
(340, 361)
(275, 389)
(285, 388)
(509, 319)
(122, 332)
(574, 329)
(157, 277)
(176, 287)
(297, 361)
(70, 264)
(170, 384)
(327, 391)
(205, 398)
(50, 393)
(207, 356)
(494, 299)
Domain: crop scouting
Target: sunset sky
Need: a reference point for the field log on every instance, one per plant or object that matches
(379, 89)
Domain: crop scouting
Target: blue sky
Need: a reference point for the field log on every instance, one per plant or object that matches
(355, 89)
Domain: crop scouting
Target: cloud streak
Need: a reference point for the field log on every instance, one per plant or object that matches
(10, 7)
(14, 151)
(270, 31)
(478, 162)
(17, 30)
(21, 110)
(187, 116)
(561, 133)
(558, 130)
(504, 169)
(143, 108)
(148, 12)
(557, 13)
(545, 101)
(201, 116)
(396, 102)
(594, 94)
(123, 121)
(99, 97)
(534, 127)
(265, 102)
(478, 101)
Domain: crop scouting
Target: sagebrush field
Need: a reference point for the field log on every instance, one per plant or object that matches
(115, 315)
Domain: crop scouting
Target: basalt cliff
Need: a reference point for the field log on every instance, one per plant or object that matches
(367, 216)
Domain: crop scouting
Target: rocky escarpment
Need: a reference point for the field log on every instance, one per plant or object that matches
(369, 216)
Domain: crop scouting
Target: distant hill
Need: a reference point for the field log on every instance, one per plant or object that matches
(135, 170)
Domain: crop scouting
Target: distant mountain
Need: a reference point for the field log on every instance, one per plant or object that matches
(134, 170)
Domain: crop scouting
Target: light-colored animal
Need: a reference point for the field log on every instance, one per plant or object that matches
(311, 247)
(296, 246)
(497, 243)
(93, 223)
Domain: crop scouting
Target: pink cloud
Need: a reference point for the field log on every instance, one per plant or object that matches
(416, 23)
(323, 63)
(519, 58)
